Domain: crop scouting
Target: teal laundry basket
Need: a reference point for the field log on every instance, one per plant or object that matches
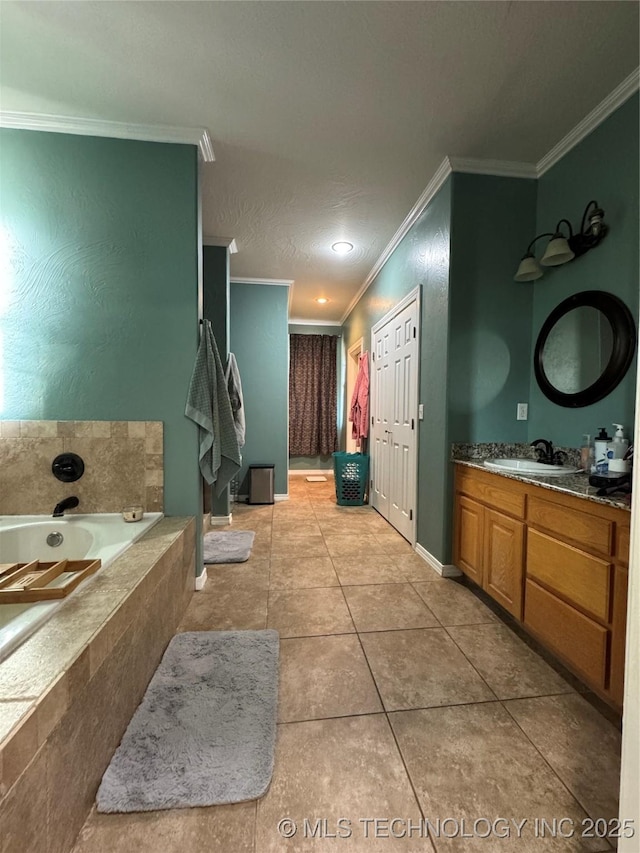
(351, 471)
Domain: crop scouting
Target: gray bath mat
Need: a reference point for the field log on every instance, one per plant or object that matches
(228, 546)
(205, 731)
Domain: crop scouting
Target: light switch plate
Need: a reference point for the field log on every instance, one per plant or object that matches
(420, 411)
(522, 411)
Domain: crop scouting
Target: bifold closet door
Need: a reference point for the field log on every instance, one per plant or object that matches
(394, 428)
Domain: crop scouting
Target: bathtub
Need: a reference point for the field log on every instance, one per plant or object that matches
(23, 538)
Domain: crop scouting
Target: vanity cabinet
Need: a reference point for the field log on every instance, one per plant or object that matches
(556, 562)
(489, 537)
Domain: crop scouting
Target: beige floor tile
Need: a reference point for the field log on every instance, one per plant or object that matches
(416, 569)
(421, 668)
(361, 545)
(375, 570)
(454, 604)
(302, 573)
(254, 574)
(324, 677)
(472, 762)
(296, 527)
(228, 610)
(299, 546)
(582, 747)
(219, 829)
(330, 769)
(309, 612)
(387, 607)
(508, 665)
(394, 544)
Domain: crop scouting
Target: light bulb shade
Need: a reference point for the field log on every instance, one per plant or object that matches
(529, 270)
(558, 252)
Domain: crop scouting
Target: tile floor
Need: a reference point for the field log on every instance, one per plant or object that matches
(402, 696)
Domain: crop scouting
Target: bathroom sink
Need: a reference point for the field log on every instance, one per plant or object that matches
(529, 466)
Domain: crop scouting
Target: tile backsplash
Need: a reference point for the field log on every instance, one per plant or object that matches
(123, 465)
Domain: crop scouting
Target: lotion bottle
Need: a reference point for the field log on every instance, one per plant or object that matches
(617, 451)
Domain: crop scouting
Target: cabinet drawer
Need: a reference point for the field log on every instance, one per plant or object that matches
(575, 637)
(591, 532)
(582, 579)
(491, 489)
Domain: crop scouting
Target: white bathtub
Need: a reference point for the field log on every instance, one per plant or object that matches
(24, 538)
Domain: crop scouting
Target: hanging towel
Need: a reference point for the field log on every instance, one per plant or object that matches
(234, 387)
(359, 413)
(209, 406)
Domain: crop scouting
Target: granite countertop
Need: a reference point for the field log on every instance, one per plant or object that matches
(572, 484)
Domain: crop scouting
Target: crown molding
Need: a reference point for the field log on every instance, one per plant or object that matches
(278, 282)
(296, 321)
(226, 242)
(442, 173)
(604, 109)
(116, 129)
(497, 168)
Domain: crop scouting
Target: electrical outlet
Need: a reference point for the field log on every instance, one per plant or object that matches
(522, 411)
(420, 411)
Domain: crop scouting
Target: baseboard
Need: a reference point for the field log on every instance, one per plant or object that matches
(447, 571)
(201, 580)
(306, 472)
(243, 499)
(206, 523)
(221, 520)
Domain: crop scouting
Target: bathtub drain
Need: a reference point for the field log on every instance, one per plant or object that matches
(55, 539)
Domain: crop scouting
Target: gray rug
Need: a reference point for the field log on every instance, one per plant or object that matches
(228, 546)
(205, 730)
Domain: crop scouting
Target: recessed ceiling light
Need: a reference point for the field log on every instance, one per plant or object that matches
(321, 300)
(342, 247)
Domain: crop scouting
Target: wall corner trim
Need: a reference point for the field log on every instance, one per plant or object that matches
(496, 168)
(115, 129)
(278, 282)
(446, 571)
(200, 580)
(604, 109)
(221, 520)
(224, 242)
(441, 174)
(297, 321)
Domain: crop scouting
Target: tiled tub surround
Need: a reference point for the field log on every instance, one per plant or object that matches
(474, 456)
(123, 465)
(68, 693)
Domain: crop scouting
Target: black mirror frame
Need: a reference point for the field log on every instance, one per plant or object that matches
(624, 346)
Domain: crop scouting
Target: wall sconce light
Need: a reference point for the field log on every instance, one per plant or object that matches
(562, 248)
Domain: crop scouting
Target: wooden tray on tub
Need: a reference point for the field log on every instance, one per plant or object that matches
(22, 583)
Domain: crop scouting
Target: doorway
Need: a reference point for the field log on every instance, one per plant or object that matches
(394, 405)
(353, 361)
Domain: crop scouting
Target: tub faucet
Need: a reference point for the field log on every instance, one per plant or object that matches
(67, 503)
(545, 453)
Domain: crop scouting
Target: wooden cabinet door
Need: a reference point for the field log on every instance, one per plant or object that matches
(503, 560)
(469, 529)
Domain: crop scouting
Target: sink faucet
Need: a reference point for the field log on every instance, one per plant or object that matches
(547, 454)
(67, 503)
(544, 453)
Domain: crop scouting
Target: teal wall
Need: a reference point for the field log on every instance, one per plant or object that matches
(322, 463)
(603, 166)
(259, 338)
(490, 318)
(99, 313)
(215, 287)
(421, 259)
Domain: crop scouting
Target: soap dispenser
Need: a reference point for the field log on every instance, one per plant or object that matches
(617, 451)
(602, 451)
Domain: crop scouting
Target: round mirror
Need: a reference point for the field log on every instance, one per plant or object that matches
(584, 348)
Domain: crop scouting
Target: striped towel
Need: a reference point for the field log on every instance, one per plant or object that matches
(209, 406)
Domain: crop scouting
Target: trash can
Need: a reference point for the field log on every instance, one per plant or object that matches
(351, 471)
(261, 484)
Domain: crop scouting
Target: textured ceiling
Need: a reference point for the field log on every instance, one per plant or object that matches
(328, 119)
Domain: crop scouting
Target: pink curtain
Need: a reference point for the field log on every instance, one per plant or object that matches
(312, 395)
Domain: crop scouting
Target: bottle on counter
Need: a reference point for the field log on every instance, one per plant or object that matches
(618, 448)
(587, 454)
(601, 450)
